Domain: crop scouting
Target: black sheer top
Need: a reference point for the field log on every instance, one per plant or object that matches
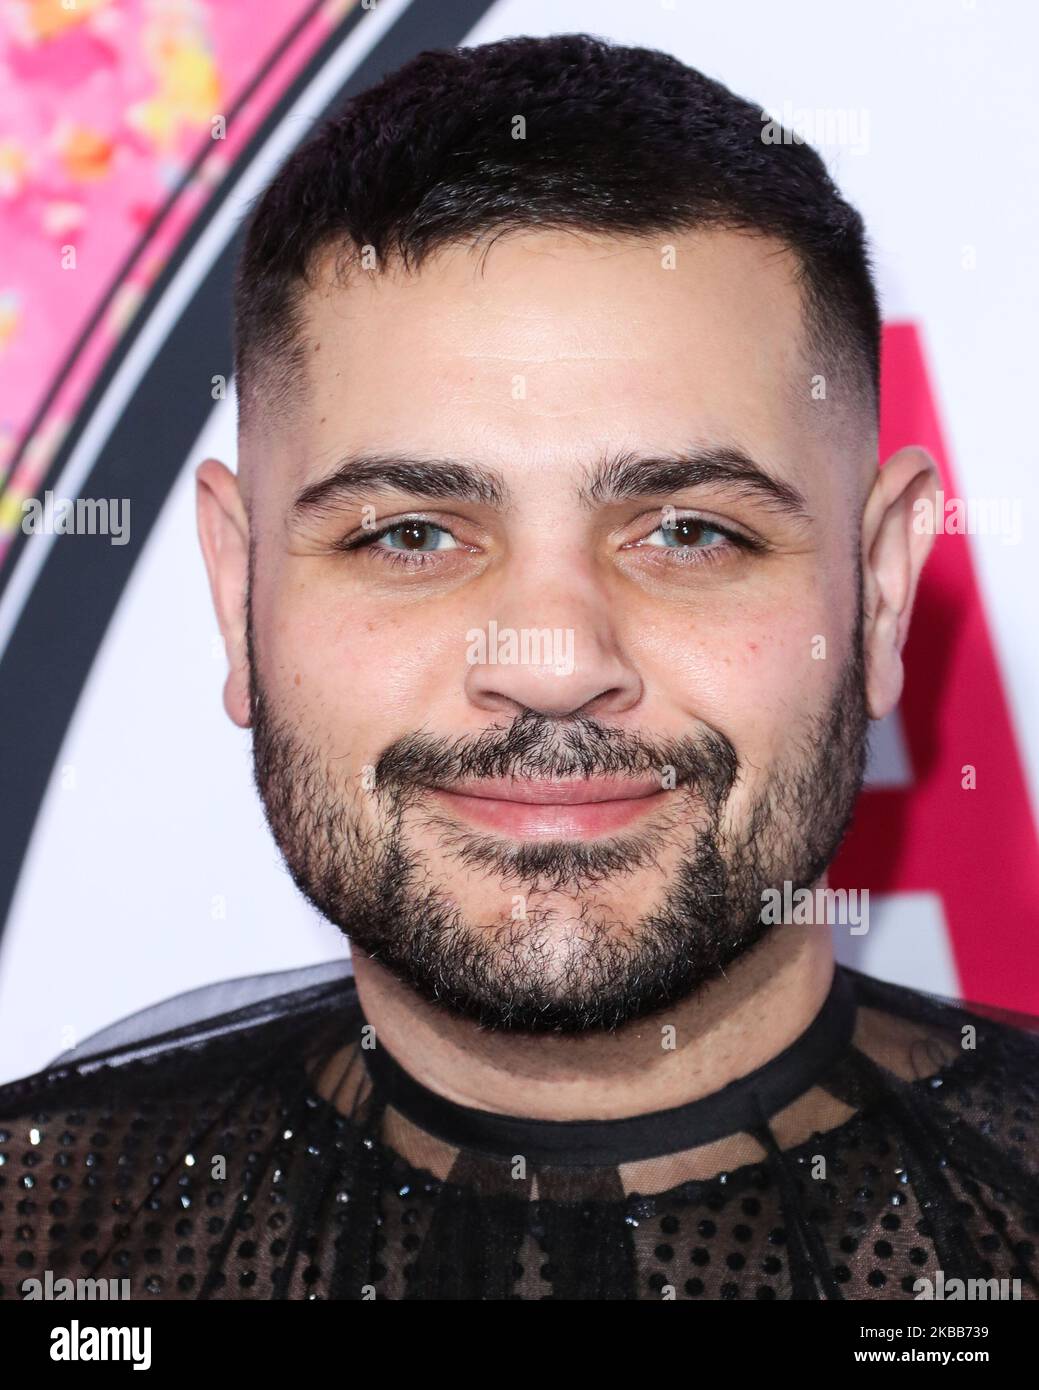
(191, 1151)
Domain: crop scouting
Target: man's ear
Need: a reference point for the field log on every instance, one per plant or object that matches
(898, 532)
(223, 530)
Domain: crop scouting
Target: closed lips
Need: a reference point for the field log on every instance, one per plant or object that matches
(571, 810)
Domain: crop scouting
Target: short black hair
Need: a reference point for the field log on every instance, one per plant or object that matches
(618, 140)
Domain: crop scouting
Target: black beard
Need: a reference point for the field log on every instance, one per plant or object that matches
(510, 976)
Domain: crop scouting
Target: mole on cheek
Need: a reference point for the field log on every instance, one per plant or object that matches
(295, 679)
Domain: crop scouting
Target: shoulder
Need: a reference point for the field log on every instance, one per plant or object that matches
(190, 1047)
(905, 1001)
(108, 1154)
(916, 1035)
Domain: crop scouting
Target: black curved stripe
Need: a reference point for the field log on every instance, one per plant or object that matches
(76, 594)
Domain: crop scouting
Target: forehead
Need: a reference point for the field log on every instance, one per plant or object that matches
(549, 346)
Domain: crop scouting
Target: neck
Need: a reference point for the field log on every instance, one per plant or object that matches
(734, 1025)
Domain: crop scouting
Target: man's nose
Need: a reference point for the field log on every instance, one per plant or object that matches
(555, 655)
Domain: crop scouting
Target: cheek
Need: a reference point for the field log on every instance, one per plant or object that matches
(356, 667)
(756, 680)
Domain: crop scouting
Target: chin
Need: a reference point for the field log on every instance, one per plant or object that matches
(486, 898)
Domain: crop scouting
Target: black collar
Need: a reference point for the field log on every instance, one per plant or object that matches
(740, 1106)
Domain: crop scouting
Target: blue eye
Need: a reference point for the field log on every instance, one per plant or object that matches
(413, 536)
(688, 533)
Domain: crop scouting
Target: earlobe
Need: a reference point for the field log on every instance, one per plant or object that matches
(223, 530)
(885, 672)
(236, 699)
(896, 542)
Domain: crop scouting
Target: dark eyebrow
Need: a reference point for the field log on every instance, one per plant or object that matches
(634, 475)
(358, 477)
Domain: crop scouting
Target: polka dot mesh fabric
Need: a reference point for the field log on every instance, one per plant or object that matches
(269, 1153)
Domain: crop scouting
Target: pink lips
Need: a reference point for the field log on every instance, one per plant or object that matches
(571, 810)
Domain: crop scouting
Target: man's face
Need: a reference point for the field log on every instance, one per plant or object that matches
(539, 749)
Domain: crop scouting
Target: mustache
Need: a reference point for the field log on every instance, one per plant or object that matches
(537, 745)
